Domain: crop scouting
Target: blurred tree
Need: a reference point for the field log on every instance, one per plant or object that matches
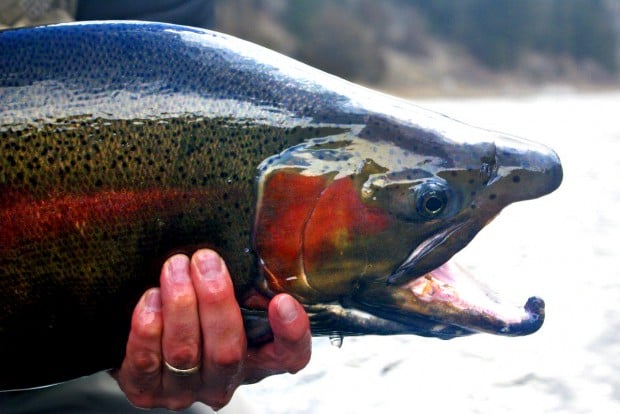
(497, 31)
(350, 37)
(593, 33)
(332, 37)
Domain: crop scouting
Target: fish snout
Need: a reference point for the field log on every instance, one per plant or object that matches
(525, 171)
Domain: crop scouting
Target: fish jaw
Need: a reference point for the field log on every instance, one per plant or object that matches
(445, 303)
(450, 294)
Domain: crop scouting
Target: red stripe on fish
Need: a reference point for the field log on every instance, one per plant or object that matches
(35, 220)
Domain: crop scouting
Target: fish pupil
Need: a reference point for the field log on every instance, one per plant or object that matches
(432, 199)
(433, 204)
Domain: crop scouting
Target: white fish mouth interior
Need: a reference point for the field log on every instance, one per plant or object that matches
(451, 284)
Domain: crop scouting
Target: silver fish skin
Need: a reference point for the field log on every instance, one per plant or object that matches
(122, 143)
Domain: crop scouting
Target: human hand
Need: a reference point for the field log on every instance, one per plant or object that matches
(193, 323)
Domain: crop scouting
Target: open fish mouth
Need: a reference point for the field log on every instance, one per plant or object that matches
(451, 297)
(424, 249)
(447, 300)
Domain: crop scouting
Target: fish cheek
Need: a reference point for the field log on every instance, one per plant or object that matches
(286, 201)
(341, 238)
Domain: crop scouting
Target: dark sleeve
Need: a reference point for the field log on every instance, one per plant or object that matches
(198, 13)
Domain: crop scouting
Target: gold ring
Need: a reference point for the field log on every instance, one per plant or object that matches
(182, 372)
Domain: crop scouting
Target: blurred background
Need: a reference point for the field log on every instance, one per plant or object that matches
(409, 47)
(543, 69)
(439, 47)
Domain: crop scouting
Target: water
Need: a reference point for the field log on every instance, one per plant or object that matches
(563, 247)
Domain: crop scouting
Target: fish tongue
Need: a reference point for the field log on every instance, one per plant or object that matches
(457, 298)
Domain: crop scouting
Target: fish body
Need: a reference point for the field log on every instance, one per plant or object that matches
(122, 143)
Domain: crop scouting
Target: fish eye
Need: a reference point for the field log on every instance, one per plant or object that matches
(431, 199)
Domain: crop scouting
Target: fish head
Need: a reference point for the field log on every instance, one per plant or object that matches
(360, 226)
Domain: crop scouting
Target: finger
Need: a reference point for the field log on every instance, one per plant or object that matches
(140, 374)
(292, 344)
(291, 331)
(224, 344)
(181, 333)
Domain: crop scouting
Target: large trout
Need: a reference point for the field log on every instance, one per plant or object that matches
(123, 143)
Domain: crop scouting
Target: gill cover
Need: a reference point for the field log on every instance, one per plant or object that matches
(335, 210)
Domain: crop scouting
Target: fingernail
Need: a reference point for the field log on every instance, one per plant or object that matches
(209, 264)
(287, 310)
(178, 269)
(153, 301)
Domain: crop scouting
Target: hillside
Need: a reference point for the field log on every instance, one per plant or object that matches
(422, 47)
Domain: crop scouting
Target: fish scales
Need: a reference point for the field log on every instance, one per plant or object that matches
(122, 143)
(95, 211)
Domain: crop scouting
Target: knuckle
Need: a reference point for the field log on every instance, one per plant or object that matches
(228, 357)
(144, 401)
(215, 297)
(185, 300)
(145, 331)
(217, 402)
(180, 403)
(184, 356)
(146, 362)
(296, 366)
(295, 362)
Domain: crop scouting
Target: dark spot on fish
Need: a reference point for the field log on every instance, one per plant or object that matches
(98, 183)
(453, 173)
(473, 193)
(472, 181)
(516, 179)
(492, 196)
(472, 206)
